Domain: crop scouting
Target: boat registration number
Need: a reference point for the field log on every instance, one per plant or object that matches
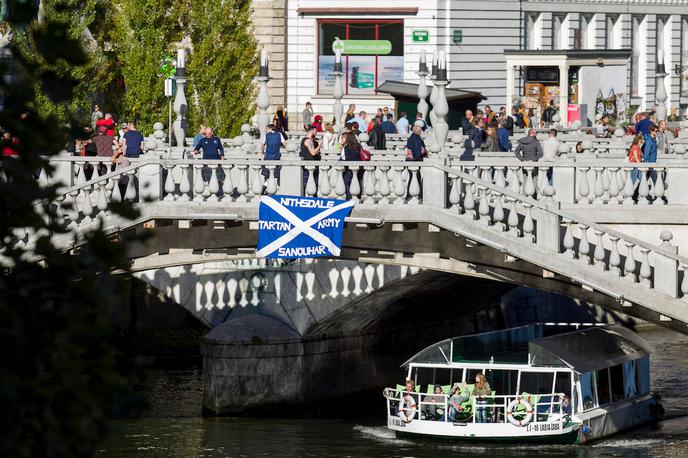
(542, 427)
(396, 422)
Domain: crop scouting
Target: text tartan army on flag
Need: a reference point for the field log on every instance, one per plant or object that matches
(300, 227)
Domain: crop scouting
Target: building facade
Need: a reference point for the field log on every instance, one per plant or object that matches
(474, 36)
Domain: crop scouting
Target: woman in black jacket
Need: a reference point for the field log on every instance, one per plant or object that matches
(376, 136)
(352, 152)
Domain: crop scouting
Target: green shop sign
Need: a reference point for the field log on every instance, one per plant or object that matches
(362, 47)
(420, 35)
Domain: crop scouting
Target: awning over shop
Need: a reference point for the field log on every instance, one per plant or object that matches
(409, 91)
(590, 349)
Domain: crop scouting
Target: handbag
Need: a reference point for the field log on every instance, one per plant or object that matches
(364, 155)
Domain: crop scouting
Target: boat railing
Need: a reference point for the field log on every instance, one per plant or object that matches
(518, 410)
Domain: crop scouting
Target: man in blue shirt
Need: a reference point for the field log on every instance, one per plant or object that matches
(403, 124)
(643, 126)
(133, 141)
(271, 149)
(387, 125)
(362, 121)
(503, 135)
(210, 145)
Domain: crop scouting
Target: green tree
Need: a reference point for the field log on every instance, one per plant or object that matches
(144, 31)
(58, 381)
(222, 66)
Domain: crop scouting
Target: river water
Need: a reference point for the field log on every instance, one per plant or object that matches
(173, 426)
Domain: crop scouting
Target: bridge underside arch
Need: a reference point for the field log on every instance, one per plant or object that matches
(174, 242)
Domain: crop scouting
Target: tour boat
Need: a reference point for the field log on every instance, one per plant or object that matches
(547, 386)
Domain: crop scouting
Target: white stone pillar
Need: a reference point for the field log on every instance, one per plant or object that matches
(564, 94)
(509, 88)
(666, 268)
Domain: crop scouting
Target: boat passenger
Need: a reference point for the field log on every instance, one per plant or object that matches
(481, 391)
(435, 411)
(566, 405)
(409, 391)
(456, 399)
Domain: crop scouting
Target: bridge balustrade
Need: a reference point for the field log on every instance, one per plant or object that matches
(502, 206)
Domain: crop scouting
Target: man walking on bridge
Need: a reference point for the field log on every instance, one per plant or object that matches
(212, 150)
(529, 148)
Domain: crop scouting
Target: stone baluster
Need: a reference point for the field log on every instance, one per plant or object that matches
(515, 182)
(528, 224)
(666, 266)
(324, 187)
(198, 183)
(512, 221)
(355, 186)
(583, 187)
(369, 184)
(605, 182)
(469, 201)
(599, 186)
(542, 182)
(484, 206)
(629, 264)
(227, 185)
(102, 197)
(184, 184)
(383, 184)
(86, 204)
(645, 270)
(599, 254)
(583, 245)
(498, 214)
(242, 187)
(684, 282)
(414, 187)
(311, 188)
(485, 174)
(620, 178)
(568, 240)
(116, 195)
(213, 187)
(169, 183)
(614, 257)
(643, 189)
(130, 193)
(529, 185)
(271, 185)
(59, 210)
(454, 193)
(340, 187)
(614, 186)
(659, 188)
(399, 186)
(499, 177)
(628, 187)
(257, 183)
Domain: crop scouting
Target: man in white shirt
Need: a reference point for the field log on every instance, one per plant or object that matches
(550, 147)
(403, 125)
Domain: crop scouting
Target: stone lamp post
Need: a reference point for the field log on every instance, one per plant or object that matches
(180, 105)
(660, 89)
(422, 86)
(441, 107)
(433, 92)
(338, 93)
(263, 100)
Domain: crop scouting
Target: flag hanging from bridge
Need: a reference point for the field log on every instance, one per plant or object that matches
(300, 227)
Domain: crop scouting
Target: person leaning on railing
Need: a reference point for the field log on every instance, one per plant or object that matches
(481, 391)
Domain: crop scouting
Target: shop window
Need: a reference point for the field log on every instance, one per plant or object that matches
(586, 391)
(362, 73)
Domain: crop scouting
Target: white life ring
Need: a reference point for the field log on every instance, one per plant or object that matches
(407, 408)
(528, 412)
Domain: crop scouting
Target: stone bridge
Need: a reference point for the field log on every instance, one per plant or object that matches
(583, 235)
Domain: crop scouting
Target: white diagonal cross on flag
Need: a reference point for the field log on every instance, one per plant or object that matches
(300, 226)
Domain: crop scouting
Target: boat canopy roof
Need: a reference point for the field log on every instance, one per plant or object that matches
(581, 350)
(589, 349)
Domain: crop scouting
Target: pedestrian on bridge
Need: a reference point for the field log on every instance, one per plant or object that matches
(271, 149)
(529, 148)
(212, 150)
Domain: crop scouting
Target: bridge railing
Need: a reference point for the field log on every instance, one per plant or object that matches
(494, 204)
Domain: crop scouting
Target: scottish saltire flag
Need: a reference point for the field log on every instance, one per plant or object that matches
(300, 227)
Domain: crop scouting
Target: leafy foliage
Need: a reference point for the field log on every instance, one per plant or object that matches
(144, 32)
(222, 66)
(58, 381)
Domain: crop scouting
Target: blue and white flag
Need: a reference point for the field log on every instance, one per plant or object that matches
(300, 227)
